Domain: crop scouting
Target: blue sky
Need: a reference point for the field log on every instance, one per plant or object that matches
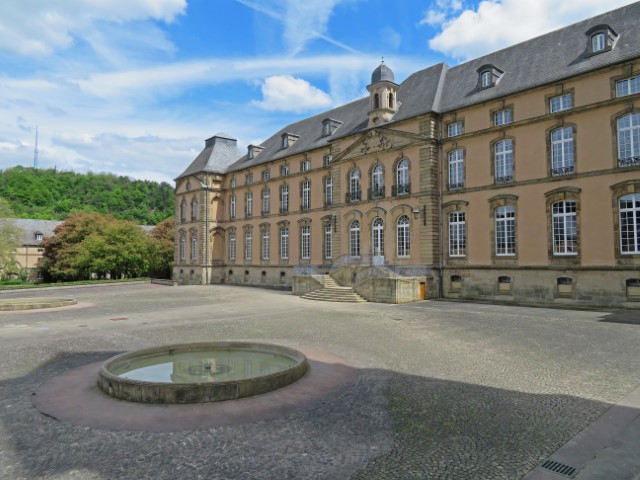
(133, 87)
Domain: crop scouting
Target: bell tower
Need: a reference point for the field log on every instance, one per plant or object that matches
(383, 96)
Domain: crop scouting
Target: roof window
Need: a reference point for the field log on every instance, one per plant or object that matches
(488, 76)
(288, 139)
(330, 125)
(601, 38)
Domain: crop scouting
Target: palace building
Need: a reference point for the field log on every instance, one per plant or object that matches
(513, 177)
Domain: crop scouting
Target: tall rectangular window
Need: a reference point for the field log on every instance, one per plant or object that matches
(183, 248)
(284, 198)
(629, 139)
(305, 242)
(457, 234)
(562, 151)
(504, 161)
(194, 248)
(306, 195)
(403, 237)
(232, 246)
(505, 230)
(232, 207)
(328, 240)
(503, 117)
(630, 224)
(328, 192)
(248, 206)
(248, 244)
(266, 201)
(565, 228)
(628, 86)
(264, 244)
(454, 129)
(560, 103)
(456, 169)
(284, 243)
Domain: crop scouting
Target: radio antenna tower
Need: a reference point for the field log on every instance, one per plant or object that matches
(35, 151)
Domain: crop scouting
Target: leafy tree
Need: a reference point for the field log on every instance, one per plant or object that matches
(10, 240)
(162, 239)
(53, 195)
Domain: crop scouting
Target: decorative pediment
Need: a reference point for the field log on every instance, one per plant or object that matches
(376, 141)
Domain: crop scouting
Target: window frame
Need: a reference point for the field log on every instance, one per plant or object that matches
(629, 136)
(354, 239)
(505, 231)
(457, 228)
(284, 243)
(498, 115)
(560, 103)
(562, 151)
(403, 236)
(455, 129)
(503, 161)
(455, 169)
(305, 242)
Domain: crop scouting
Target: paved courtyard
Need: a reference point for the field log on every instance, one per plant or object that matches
(443, 390)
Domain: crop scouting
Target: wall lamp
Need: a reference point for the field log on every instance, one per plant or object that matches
(417, 211)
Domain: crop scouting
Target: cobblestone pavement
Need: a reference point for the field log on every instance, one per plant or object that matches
(445, 390)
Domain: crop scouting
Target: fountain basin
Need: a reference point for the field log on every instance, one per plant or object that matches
(200, 372)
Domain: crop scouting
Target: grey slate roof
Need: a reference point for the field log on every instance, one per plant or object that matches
(219, 152)
(382, 74)
(543, 60)
(31, 227)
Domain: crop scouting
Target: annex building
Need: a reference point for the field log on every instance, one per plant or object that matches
(512, 177)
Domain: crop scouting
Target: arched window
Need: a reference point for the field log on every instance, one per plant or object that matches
(391, 100)
(456, 169)
(598, 42)
(183, 247)
(630, 224)
(376, 101)
(194, 247)
(402, 187)
(377, 240)
(354, 186)
(562, 151)
(503, 152)
(403, 237)
(505, 218)
(377, 182)
(194, 210)
(248, 204)
(354, 238)
(183, 211)
(629, 140)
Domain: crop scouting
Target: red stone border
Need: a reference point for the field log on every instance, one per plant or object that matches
(74, 397)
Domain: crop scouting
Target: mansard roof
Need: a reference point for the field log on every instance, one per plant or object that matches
(219, 152)
(30, 228)
(543, 60)
(550, 58)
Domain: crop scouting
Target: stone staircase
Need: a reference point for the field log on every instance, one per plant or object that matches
(332, 292)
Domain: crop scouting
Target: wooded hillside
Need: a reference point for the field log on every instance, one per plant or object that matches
(52, 195)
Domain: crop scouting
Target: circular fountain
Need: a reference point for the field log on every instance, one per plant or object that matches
(200, 372)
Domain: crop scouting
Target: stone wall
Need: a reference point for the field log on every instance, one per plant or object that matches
(533, 286)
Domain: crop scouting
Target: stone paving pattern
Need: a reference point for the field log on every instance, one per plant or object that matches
(445, 390)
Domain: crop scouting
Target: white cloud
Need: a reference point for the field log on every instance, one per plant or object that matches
(289, 94)
(497, 24)
(38, 28)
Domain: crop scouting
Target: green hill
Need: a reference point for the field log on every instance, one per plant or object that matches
(52, 195)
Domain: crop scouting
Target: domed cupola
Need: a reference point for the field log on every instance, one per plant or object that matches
(382, 92)
(382, 74)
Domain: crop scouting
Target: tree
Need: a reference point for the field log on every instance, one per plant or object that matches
(10, 241)
(91, 245)
(162, 239)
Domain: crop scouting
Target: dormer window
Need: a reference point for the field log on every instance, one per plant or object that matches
(602, 38)
(39, 236)
(329, 125)
(253, 151)
(488, 76)
(288, 139)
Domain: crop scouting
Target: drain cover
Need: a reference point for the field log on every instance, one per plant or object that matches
(557, 467)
